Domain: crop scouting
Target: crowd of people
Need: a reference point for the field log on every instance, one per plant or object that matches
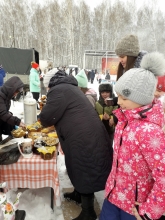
(118, 147)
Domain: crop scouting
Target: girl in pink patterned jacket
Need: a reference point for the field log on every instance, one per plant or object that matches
(135, 188)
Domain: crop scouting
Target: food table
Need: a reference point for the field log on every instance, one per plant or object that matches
(32, 173)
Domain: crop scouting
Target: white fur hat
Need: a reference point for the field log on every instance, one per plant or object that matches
(48, 76)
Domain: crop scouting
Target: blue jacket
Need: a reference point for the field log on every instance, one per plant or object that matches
(2, 75)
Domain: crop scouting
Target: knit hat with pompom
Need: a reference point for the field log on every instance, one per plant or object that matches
(139, 84)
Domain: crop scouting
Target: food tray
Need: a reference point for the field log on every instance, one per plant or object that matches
(34, 127)
(18, 133)
(50, 141)
(34, 135)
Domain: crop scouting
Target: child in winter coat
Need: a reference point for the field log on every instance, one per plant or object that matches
(104, 111)
(135, 188)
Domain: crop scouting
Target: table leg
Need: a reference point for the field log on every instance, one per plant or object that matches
(52, 199)
(20, 215)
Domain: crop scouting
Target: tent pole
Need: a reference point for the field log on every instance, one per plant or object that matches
(84, 62)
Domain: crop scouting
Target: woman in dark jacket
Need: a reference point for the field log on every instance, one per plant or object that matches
(9, 89)
(83, 138)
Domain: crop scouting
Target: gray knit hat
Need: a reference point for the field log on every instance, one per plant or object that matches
(128, 46)
(139, 84)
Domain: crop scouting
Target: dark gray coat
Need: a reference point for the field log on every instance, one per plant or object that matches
(83, 138)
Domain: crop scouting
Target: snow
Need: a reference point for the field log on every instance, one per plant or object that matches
(36, 202)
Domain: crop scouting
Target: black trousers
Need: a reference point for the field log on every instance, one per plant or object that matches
(5, 128)
(36, 95)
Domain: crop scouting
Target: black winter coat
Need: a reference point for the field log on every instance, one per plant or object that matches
(83, 138)
(6, 94)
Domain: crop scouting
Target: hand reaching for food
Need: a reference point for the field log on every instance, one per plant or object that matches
(106, 116)
(22, 125)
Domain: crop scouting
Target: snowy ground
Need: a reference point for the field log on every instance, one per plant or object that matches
(36, 202)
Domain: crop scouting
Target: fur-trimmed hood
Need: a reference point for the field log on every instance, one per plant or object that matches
(139, 58)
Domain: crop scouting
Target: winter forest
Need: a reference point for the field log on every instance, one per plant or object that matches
(61, 32)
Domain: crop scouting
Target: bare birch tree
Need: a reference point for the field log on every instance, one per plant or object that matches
(62, 32)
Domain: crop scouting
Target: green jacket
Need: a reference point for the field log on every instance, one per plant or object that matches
(101, 109)
(34, 80)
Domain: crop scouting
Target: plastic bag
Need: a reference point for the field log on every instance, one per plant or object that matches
(9, 154)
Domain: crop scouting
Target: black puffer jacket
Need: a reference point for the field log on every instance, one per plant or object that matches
(83, 138)
(6, 93)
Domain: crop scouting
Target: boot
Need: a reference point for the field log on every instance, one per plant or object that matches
(88, 212)
(73, 196)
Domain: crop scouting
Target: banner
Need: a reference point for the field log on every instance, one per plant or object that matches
(111, 65)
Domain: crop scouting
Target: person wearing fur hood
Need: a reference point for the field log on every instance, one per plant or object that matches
(135, 188)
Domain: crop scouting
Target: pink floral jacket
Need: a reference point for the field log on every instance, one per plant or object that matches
(138, 170)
